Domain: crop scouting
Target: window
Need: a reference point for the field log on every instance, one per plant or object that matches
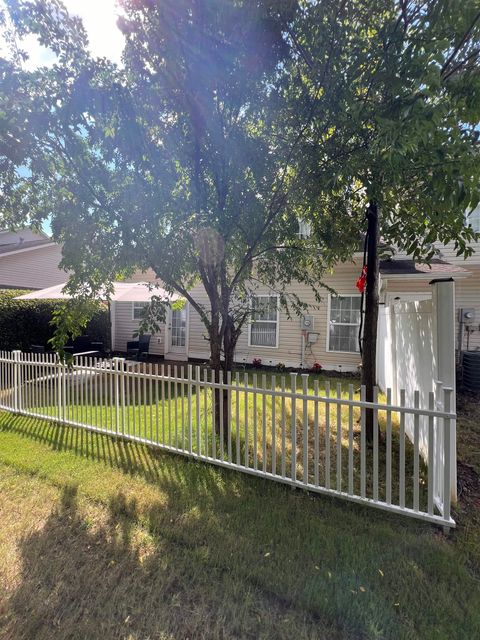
(343, 323)
(473, 219)
(304, 229)
(138, 310)
(264, 322)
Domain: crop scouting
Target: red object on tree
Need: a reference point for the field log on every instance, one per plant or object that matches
(362, 281)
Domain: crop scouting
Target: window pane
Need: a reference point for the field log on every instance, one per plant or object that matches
(138, 310)
(344, 323)
(343, 338)
(264, 308)
(264, 334)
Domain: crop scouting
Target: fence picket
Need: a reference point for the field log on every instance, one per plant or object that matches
(402, 451)
(431, 450)
(284, 428)
(327, 434)
(229, 416)
(237, 416)
(274, 424)
(447, 405)
(264, 423)
(376, 428)
(316, 440)
(255, 394)
(198, 395)
(246, 412)
(350, 441)
(293, 388)
(388, 460)
(416, 453)
(305, 426)
(339, 437)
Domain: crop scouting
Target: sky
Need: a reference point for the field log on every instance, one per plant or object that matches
(99, 18)
(105, 39)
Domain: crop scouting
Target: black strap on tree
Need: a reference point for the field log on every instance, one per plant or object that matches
(362, 300)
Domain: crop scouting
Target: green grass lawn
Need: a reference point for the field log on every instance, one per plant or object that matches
(107, 539)
(261, 434)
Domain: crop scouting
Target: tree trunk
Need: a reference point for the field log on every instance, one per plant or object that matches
(221, 368)
(369, 357)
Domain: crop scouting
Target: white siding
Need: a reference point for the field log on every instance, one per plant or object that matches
(125, 327)
(33, 269)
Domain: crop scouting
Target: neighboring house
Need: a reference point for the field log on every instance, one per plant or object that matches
(29, 260)
(328, 333)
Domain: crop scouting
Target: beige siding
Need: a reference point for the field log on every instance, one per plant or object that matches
(290, 334)
(126, 326)
(32, 269)
(448, 253)
(289, 348)
(467, 293)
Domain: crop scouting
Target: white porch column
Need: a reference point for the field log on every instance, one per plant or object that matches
(443, 298)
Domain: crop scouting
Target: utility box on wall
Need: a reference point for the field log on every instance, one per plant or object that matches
(307, 323)
(467, 316)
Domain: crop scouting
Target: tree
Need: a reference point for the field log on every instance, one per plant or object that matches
(402, 146)
(175, 162)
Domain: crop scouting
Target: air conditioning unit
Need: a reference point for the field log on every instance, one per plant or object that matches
(307, 323)
(467, 316)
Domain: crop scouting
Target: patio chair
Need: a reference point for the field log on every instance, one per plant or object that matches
(138, 349)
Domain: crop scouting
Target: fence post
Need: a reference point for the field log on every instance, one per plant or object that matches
(17, 381)
(447, 493)
(444, 346)
(119, 396)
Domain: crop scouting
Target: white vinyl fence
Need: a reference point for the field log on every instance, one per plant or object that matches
(288, 428)
(416, 349)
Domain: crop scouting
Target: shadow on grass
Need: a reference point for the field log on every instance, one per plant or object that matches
(222, 555)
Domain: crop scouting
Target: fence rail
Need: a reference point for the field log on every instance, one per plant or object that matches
(284, 428)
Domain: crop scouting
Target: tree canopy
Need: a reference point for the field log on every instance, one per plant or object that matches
(230, 120)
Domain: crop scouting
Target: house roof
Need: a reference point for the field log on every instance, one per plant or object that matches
(12, 247)
(407, 268)
(122, 292)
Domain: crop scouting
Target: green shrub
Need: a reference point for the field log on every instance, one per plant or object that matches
(27, 322)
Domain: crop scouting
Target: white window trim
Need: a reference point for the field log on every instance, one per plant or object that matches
(473, 216)
(258, 346)
(329, 305)
(144, 304)
(187, 329)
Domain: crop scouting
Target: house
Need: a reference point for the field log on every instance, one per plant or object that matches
(29, 260)
(327, 333)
